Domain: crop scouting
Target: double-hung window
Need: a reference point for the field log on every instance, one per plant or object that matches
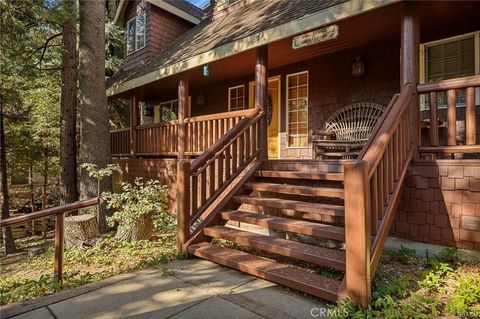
(136, 32)
(236, 98)
(450, 58)
(297, 109)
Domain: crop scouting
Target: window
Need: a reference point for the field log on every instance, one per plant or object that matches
(236, 98)
(450, 58)
(297, 109)
(136, 33)
(166, 111)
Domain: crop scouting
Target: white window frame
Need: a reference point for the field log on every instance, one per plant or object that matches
(423, 71)
(134, 20)
(229, 95)
(286, 108)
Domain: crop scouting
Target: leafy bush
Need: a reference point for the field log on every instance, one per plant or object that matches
(138, 200)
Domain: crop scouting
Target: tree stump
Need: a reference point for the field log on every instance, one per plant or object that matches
(81, 230)
(141, 230)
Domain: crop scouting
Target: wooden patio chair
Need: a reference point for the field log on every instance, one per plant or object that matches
(346, 131)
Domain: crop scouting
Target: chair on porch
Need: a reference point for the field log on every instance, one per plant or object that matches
(346, 131)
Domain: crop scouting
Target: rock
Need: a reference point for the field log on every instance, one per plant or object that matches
(36, 251)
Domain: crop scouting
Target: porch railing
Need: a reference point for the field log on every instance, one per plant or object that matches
(59, 213)
(161, 139)
(202, 181)
(457, 142)
(120, 142)
(374, 183)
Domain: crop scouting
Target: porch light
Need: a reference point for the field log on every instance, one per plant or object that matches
(358, 67)
(206, 71)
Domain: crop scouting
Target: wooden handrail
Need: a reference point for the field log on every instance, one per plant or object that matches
(378, 142)
(120, 130)
(458, 83)
(49, 212)
(220, 144)
(59, 213)
(217, 116)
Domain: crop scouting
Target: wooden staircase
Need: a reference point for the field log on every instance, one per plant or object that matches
(295, 202)
(335, 215)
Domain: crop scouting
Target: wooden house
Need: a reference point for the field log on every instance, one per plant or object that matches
(251, 111)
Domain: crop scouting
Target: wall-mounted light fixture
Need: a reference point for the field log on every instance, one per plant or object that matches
(200, 99)
(358, 67)
(206, 71)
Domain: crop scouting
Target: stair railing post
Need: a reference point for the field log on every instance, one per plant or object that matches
(133, 125)
(357, 232)
(183, 204)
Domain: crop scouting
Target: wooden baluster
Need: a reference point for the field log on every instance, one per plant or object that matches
(385, 181)
(214, 129)
(470, 122)
(374, 201)
(433, 119)
(183, 203)
(234, 156)
(212, 179)
(203, 187)
(247, 143)
(59, 240)
(395, 155)
(241, 149)
(357, 232)
(194, 194)
(390, 166)
(204, 136)
(221, 160)
(381, 187)
(451, 118)
(227, 163)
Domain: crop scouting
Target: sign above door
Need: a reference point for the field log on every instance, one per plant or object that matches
(315, 36)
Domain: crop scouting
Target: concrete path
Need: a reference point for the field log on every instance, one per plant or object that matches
(187, 289)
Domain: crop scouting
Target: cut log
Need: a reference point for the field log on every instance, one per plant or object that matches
(141, 230)
(81, 230)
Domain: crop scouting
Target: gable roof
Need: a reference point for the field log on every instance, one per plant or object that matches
(259, 23)
(180, 8)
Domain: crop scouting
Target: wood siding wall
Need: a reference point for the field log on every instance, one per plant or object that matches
(441, 204)
(162, 29)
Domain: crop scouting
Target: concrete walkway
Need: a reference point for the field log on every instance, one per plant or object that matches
(188, 289)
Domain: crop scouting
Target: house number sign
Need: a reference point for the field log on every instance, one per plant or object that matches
(315, 36)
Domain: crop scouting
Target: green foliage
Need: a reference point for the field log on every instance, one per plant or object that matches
(138, 200)
(465, 302)
(82, 266)
(443, 291)
(114, 42)
(100, 173)
(404, 255)
(433, 280)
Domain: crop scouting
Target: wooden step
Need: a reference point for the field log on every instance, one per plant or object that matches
(310, 253)
(296, 189)
(300, 206)
(286, 275)
(287, 224)
(326, 176)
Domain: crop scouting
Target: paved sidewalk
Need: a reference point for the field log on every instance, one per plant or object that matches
(190, 289)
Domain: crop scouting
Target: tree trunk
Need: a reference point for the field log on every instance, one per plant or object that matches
(81, 230)
(7, 236)
(94, 115)
(142, 230)
(68, 145)
(44, 191)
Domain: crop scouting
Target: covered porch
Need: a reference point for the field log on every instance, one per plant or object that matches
(320, 78)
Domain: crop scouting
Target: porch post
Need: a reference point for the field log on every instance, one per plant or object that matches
(133, 125)
(182, 111)
(409, 62)
(261, 96)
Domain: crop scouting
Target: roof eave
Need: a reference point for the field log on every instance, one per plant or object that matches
(305, 23)
(118, 19)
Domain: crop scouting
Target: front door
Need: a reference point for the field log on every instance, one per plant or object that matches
(273, 114)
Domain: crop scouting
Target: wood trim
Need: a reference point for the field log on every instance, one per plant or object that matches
(452, 84)
(450, 149)
(338, 12)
